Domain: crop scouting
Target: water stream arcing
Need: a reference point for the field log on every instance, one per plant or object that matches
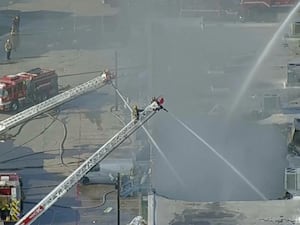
(255, 189)
(260, 60)
(154, 143)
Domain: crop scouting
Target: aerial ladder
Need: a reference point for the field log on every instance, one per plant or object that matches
(53, 102)
(85, 167)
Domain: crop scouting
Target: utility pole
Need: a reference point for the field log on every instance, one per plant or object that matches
(116, 79)
(154, 206)
(118, 197)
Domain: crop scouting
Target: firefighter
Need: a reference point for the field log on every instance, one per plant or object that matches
(15, 24)
(8, 48)
(156, 104)
(106, 75)
(136, 113)
(14, 38)
(5, 211)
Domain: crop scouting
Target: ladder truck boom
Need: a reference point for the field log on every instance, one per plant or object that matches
(53, 102)
(85, 167)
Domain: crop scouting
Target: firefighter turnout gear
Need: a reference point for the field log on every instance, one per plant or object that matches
(136, 113)
(15, 24)
(106, 75)
(8, 48)
(156, 104)
(14, 40)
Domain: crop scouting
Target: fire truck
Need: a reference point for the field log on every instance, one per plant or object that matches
(11, 198)
(27, 88)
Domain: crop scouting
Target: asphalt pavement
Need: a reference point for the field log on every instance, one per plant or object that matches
(39, 153)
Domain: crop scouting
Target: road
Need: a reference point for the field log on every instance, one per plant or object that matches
(37, 153)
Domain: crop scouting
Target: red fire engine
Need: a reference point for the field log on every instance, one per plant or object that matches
(11, 198)
(27, 88)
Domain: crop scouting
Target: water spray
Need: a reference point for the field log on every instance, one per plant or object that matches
(204, 142)
(221, 157)
(154, 142)
(260, 60)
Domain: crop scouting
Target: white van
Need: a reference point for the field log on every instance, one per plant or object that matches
(106, 171)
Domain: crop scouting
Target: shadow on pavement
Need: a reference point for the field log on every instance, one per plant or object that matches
(48, 30)
(37, 182)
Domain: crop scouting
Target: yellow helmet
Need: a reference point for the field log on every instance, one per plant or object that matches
(135, 107)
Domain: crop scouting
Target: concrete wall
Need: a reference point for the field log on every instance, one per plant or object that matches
(171, 212)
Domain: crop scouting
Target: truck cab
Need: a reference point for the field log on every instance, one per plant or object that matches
(27, 88)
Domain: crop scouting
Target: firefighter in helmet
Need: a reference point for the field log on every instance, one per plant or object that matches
(136, 113)
(156, 104)
(106, 75)
(8, 47)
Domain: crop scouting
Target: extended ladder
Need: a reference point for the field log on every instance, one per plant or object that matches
(93, 160)
(51, 103)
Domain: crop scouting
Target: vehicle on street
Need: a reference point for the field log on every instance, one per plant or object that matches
(27, 88)
(11, 198)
